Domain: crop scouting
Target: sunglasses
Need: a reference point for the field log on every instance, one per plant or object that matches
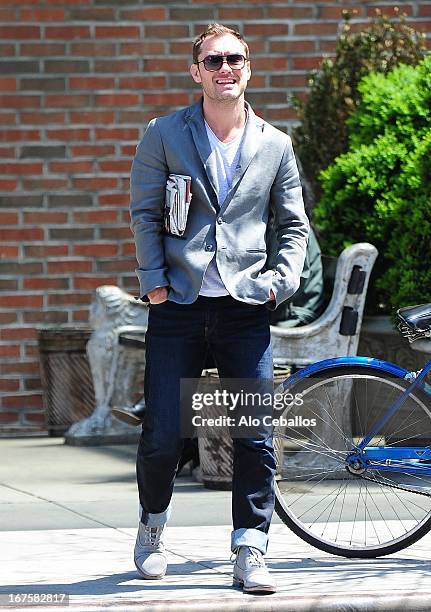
(214, 62)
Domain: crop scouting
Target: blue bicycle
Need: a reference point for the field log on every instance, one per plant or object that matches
(354, 451)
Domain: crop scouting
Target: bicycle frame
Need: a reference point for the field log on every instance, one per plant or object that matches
(394, 459)
(339, 362)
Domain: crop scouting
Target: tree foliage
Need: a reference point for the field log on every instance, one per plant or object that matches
(322, 134)
(380, 189)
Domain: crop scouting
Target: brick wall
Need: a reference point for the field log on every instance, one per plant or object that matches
(79, 79)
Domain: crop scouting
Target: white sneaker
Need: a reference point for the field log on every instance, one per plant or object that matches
(251, 573)
(149, 555)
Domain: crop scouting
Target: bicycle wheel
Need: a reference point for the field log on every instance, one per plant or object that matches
(367, 515)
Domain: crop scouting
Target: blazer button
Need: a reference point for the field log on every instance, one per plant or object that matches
(220, 220)
(208, 247)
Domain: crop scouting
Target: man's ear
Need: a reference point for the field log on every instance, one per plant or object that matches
(194, 71)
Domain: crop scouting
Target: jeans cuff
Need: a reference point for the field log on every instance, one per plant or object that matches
(154, 519)
(249, 537)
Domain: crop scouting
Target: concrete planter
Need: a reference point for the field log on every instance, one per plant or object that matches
(66, 378)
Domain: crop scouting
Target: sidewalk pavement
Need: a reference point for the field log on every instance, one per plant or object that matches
(68, 519)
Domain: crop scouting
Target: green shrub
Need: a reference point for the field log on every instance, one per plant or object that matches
(322, 133)
(380, 190)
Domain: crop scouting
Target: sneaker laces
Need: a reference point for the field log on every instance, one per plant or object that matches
(255, 558)
(152, 536)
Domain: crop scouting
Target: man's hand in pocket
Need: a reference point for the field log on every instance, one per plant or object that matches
(158, 296)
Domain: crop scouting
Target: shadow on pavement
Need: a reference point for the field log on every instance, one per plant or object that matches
(112, 584)
(297, 569)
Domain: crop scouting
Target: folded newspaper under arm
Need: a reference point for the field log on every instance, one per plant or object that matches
(177, 204)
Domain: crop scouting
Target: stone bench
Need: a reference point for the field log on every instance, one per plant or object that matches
(336, 332)
(116, 347)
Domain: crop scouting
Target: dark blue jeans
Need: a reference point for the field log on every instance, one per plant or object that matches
(178, 339)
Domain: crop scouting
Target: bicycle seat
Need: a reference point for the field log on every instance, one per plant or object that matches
(416, 317)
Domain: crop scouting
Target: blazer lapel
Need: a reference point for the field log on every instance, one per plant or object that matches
(196, 123)
(250, 144)
(249, 147)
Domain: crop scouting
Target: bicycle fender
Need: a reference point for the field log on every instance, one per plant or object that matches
(342, 362)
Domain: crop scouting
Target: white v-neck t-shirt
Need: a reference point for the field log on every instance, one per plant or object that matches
(225, 159)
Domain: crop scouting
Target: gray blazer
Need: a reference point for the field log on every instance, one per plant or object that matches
(265, 190)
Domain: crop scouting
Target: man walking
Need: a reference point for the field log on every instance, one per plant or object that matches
(210, 289)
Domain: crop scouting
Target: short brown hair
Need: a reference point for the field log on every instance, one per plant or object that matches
(215, 29)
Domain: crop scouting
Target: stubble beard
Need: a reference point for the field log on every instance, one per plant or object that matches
(226, 100)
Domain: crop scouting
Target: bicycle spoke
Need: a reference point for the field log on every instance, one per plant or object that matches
(292, 502)
(377, 511)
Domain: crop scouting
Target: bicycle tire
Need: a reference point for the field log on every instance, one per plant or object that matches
(313, 468)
